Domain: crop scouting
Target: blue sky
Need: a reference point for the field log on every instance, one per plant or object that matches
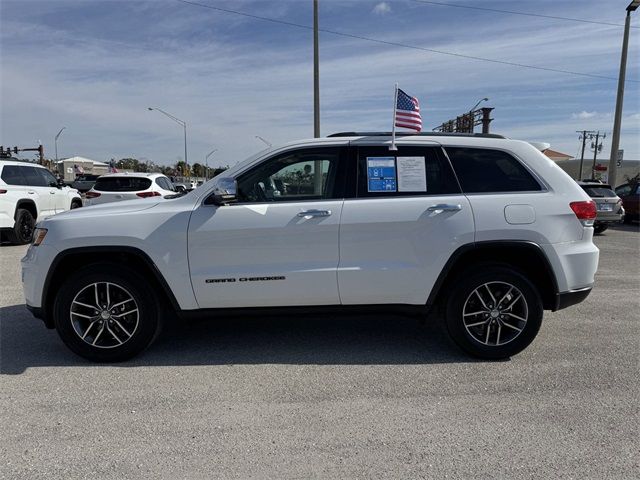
(95, 66)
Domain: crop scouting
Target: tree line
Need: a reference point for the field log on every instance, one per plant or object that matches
(179, 169)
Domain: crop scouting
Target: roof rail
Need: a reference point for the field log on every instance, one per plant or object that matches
(419, 134)
(23, 160)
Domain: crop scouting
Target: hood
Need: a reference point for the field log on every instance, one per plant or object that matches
(113, 208)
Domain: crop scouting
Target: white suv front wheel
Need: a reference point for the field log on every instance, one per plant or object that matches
(106, 313)
(493, 312)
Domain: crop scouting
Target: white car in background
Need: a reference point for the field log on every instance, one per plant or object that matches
(115, 187)
(29, 193)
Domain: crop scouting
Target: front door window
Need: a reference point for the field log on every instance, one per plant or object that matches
(295, 176)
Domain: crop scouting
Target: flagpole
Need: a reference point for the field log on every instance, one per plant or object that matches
(393, 121)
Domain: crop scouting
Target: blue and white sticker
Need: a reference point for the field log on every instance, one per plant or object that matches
(381, 174)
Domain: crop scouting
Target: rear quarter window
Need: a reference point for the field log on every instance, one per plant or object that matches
(121, 184)
(12, 175)
(481, 170)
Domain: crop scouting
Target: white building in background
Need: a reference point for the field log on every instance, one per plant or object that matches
(626, 170)
(70, 168)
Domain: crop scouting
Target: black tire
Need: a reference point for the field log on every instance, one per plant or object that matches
(76, 204)
(598, 229)
(135, 331)
(471, 338)
(22, 231)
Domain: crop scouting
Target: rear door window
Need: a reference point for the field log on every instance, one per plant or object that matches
(121, 184)
(33, 177)
(409, 171)
(482, 170)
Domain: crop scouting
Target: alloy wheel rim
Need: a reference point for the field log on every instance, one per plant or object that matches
(104, 315)
(495, 313)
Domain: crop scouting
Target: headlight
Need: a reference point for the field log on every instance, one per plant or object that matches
(38, 236)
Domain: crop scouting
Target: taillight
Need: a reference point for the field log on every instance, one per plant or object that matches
(92, 194)
(585, 211)
(148, 194)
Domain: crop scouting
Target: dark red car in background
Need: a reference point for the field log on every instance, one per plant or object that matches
(630, 195)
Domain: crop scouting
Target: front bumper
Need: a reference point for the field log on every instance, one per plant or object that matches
(35, 266)
(36, 311)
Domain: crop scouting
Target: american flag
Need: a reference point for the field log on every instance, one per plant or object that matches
(408, 112)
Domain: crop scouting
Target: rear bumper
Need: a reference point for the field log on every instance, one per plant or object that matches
(572, 297)
(617, 218)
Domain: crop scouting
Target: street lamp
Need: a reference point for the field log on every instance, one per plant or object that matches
(184, 126)
(615, 140)
(56, 142)
(206, 163)
(485, 99)
(472, 115)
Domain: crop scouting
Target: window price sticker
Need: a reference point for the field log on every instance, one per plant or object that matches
(412, 175)
(381, 174)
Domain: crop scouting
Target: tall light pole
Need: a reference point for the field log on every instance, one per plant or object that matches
(206, 163)
(267, 143)
(184, 126)
(615, 140)
(56, 142)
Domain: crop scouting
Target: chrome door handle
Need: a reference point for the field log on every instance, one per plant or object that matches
(314, 213)
(52, 193)
(444, 207)
(31, 192)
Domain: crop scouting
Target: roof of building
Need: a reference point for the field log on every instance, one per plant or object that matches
(80, 160)
(555, 155)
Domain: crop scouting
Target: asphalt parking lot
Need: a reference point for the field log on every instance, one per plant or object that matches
(353, 397)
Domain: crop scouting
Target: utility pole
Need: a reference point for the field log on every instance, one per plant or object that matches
(584, 135)
(597, 147)
(615, 141)
(316, 74)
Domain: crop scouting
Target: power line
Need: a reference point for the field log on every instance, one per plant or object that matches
(403, 45)
(514, 12)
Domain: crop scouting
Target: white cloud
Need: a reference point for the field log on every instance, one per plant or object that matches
(583, 115)
(229, 91)
(382, 8)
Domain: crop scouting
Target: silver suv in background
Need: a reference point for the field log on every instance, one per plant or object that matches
(608, 205)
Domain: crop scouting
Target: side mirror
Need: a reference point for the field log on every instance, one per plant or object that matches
(224, 192)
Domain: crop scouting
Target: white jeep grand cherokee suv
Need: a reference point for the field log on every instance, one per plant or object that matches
(486, 227)
(29, 193)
